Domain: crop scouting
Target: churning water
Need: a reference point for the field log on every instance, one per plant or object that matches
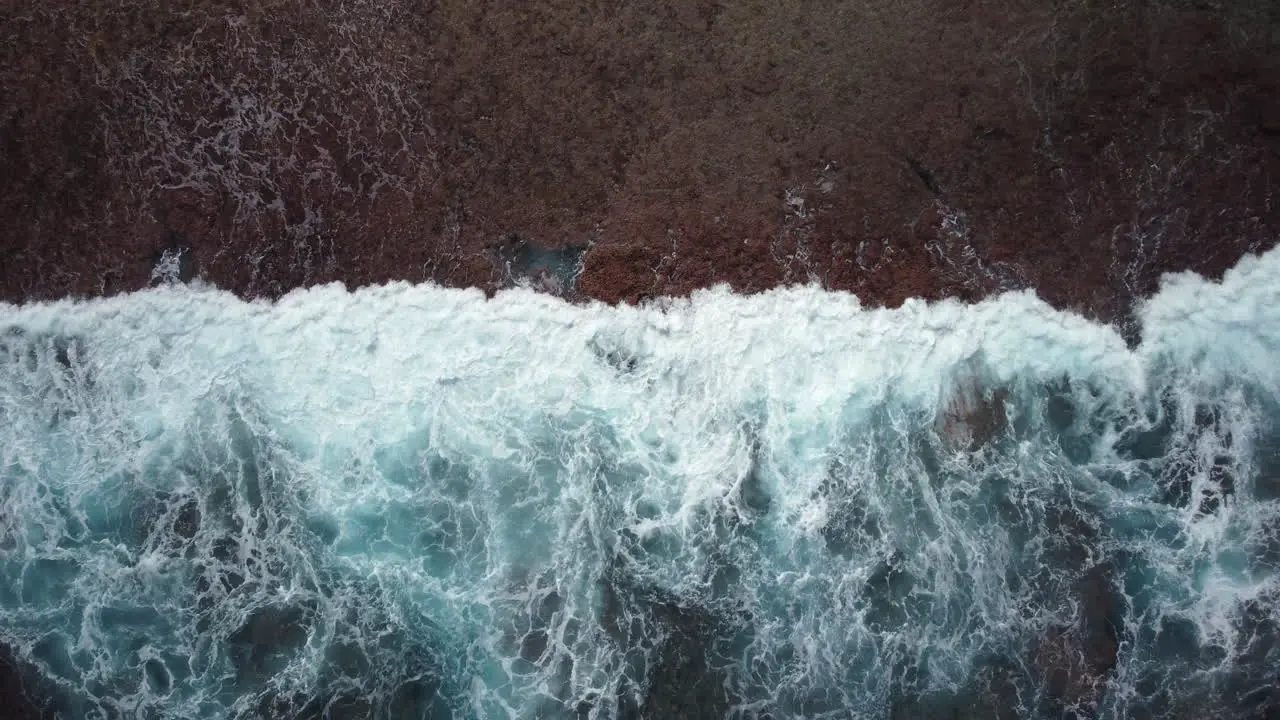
(409, 502)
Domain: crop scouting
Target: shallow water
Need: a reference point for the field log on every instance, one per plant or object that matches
(411, 502)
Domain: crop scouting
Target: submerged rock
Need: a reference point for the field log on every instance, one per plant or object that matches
(1074, 660)
(888, 595)
(24, 694)
(371, 665)
(670, 647)
(972, 414)
(1254, 684)
(991, 694)
(269, 638)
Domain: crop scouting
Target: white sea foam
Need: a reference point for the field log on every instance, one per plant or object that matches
(489, 485)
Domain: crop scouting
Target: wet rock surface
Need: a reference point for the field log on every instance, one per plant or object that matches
(26, 695)
(671, 659)
(1074, 660)
(928, 149)
(972, 414)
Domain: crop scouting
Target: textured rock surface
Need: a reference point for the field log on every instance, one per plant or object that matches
(24, 698)
(894, 149)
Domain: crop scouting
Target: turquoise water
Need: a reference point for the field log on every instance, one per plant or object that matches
(410, 502)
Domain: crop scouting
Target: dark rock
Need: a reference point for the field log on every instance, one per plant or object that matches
(1081, 148)
(1074, 660)
(888, 594)
(1254, 683)
(371, 667)
(671, 646)
(926, 177)
(187, 521)
(991, 694)
(24, 693)
(268, 638)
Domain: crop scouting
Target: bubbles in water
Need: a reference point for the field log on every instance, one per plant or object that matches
(409, 502)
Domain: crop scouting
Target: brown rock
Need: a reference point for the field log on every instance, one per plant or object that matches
(928, 149)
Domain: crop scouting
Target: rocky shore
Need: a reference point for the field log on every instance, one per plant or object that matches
(891, 149)
(614, 151)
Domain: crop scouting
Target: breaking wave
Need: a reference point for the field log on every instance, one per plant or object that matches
(414, 502)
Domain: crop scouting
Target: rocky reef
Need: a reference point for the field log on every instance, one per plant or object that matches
(892, 149)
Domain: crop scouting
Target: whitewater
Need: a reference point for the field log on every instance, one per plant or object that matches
(415, 502)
